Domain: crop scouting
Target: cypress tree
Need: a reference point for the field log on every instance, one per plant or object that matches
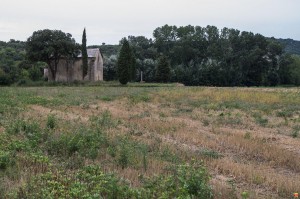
(124, 62)
(132, 69)
(163, 70)
(84, 55)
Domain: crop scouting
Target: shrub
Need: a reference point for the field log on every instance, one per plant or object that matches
(31, 130)
(295, 134)
(16, 127)
(51, 121)
(186, 181)
(167, 154)
(260, 120)
(4, 78)
(85, 142)
(89, 182)
(23, 82)
(4, 160)
(123, 159)
(103, 121)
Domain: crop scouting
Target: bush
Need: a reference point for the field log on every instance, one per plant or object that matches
(4, 78)
(295, 134)
(84, 142)
(4, 160)
(103, 121)
(16, 127)
(35, 73)
(89, 182)
(186, 181)
(51, 121)
(31, 130)
(23, 82)
(123, 159)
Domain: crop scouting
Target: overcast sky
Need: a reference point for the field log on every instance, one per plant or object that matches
(110, 20)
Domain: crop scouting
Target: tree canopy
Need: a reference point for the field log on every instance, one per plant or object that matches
(50, 46)
(209, 56)
(197, 56)
(13, 65)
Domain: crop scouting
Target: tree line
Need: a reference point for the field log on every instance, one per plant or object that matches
(208, 56)
(14, 65)
(191, 55)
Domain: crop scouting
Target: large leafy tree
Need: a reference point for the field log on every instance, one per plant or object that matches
(84, 55)
(142, 47)
(142, 50)
(125, 62)
(50, 46)
(289, 69)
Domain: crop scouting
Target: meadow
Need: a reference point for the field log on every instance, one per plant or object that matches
(149, 141)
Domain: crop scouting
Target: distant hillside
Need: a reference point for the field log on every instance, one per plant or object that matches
(291, 46)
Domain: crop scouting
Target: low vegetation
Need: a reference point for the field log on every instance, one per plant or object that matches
(149, 141)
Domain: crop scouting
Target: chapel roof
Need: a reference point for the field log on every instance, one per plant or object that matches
(92, 52)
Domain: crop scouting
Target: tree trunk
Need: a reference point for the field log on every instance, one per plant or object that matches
(53, 71)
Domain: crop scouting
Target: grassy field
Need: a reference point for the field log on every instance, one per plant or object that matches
(149, 142)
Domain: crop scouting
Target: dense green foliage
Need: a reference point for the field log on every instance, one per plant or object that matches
(227, 57)
(125, 63)
(209, 56)
(188, 181)
(132, 68)
(290, 72)
(84, 55)
(13, 64)
(50, 46)
(89, 182)
(163, 70)
(197, 56)
(12, 54)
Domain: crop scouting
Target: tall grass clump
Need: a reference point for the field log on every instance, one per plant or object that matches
(103, 121)
(85, 142)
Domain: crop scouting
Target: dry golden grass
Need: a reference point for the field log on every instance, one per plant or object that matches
(242, 151)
